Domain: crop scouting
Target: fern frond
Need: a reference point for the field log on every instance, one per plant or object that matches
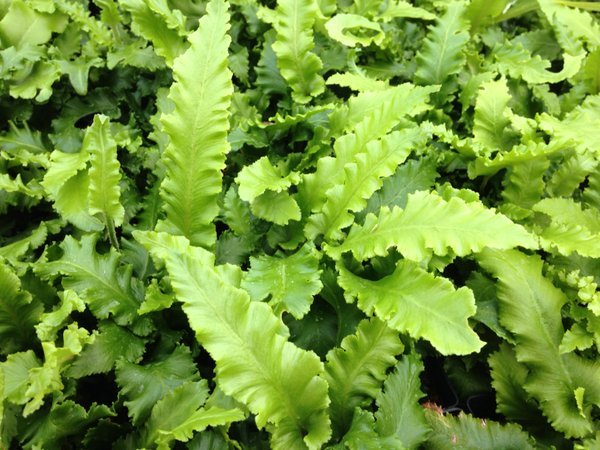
(442, 53)
(279, 382)
(294, 21)
(412, 300)
(530, 308)
(166, 41)
(197, 129)
(356, 369)
(362, 177)
(104, 173)
(431, 224)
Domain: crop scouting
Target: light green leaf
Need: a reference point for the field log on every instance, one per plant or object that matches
(276, 207)
(351, 29)
(262, 176)
(517, 62)
(362, 177)
(401, 8)
(299, 66)
(442, 52)
(290, 282)
(491, 127)
(23, 25)
(166, 41)
(197, 129)
(572, 228)
(399, 413)
(356, 369)
(50, 323)
(357, 82)
(279, 382)
(430, 224)
(104, 173)
(413, 301)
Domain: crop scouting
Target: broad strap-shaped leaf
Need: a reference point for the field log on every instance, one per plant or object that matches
(179, 414)
(144, 385)
(276, 207)
(197, 129)
(572, 228)
(102, 283)
(442, 52)
(524, 183)
(530, 308)
(262, 176)
(362, 177)
(290, 282)
(52, 322)
(431, 224)
(356, 369)
(580, 127)
(414, 175)
(104, 193)
(412, 300)
(362, 435)
(348, 30)
(508, 379)
(491, 125)
(294, 21)
(19, 312)
(111, 344)
(165, 39)
(255, 364)
(399, 413)
(517, 62)
(519, 154)
(371, 116)
(466, 431)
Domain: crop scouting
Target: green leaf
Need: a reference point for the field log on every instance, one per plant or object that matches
(144, 385)
(491, 127)
(166, 41)
(197, 129)
(530, 308)
(351, 29)
(465, 431)
(362, 177)
(430, 224)
(413, 301)
(442, 52)
(399, 413)
(356, 369)
(50, 323)
(106, 287)
(517, 62)
(290, 282)
(261, 176)
(111, 344)
(579, 127)
(19, 312)
(24, 25)
(179, 414)
(16, 375)
(299, 66)
(572, 228)
(104, 193)
(279, 382)
(414, 175)
(276, 207)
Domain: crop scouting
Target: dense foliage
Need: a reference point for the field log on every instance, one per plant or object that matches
(299, 224)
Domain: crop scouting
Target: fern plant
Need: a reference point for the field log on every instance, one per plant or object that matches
(299, 224)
